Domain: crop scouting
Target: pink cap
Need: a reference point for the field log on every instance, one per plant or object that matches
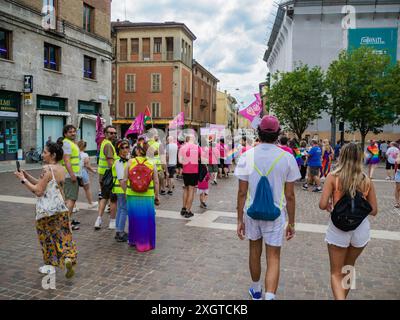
(269, 123)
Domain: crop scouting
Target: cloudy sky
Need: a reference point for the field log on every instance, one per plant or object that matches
(231, 36)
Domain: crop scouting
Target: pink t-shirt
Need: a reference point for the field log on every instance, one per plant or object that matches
(203, 185)
(287, 149)
(189, 155)
(213, 154)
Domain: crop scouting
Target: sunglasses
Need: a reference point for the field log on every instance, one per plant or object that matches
(111, 132)
(122, 148)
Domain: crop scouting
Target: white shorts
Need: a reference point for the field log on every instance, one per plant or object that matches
(271, 231)
(201, 191)
(357, 238)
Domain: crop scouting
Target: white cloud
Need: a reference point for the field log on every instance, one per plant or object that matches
(230, 36)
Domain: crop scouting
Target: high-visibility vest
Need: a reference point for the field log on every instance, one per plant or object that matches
(74, 158)
(103, 164)
(150, 190)
(156, 160)
(117, 189)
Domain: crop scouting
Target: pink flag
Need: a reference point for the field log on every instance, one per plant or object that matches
(178, 121)
(99, 132)
(137, 125)
(252, 111)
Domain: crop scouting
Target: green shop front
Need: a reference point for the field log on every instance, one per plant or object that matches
(10, 141)
(52, 116)
(87, 116)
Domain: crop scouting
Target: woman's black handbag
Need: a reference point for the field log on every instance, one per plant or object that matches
(349, 212)
(107, 183)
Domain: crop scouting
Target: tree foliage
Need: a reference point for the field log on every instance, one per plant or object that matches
(298, 97)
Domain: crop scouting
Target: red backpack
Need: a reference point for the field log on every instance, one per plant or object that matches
(140, 177)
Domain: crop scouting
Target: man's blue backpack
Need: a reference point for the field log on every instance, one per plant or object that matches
(263, 207)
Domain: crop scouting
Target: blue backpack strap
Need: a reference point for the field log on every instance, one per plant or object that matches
(269, 171)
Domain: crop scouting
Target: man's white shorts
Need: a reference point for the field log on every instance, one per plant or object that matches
(271, 231)
(357, 238)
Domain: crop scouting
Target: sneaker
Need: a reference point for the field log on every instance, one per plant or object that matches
(75, 222)
(122, 237)
(188, 214)
(203, 205)
(98, 223)
(255, 295)
(317, 189)
(305, 186)
(75, 210)
(94, 205)
(70, 270)
(388, 178)
(170, 193)
(112, 224)
(47, 269)
(75, 227)
(162, 192)
(183, 211)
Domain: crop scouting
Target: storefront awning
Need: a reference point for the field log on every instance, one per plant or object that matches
(54, 113)
(87, 116)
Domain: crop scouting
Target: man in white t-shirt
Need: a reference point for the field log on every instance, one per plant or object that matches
(391, 156)
(285, 172)
(172, 158)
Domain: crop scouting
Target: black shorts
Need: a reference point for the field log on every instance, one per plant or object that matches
(190, 179)
(171, 171)
(222, 164)
(179, 166)
(389, 166)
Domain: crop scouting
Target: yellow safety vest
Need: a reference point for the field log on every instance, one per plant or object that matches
(103, 164)
(117, 189)
(156, 160)
(150, 190)
(74, 158)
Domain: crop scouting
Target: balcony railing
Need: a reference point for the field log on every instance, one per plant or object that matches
(203, 103)
(186, 97)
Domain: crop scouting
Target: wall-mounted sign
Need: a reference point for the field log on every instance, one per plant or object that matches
(28, 99)
(28, 84)
(382, 40)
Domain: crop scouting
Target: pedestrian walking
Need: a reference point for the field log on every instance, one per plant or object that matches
(142, 186)
(52, 215)
(71, 164)
(391, 156)
(223, 167)
(347, 187)
(85, 168)
(383, 149)
(213, 158)
(189, 156)
(107, 157)
(156, 151)
(294, 146)
(397, 181)
(314, 166)
(327, 158)
(122, 147)
(203, 190)
(266, 176)
(172, 157)
(372, 158)
(338, 146)
(303, 153)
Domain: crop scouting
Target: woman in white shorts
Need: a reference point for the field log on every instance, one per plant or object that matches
(345, 247)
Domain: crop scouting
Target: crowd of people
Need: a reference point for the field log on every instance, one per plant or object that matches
(133, 174)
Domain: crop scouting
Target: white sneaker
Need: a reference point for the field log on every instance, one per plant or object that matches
(97, 225)
(47, 269)
(112, 224)
(388, 178)
(94, 205)
(75, 210)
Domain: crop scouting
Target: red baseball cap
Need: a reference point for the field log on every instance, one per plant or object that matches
(269, 123)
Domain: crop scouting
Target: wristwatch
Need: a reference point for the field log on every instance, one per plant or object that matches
(23, 181)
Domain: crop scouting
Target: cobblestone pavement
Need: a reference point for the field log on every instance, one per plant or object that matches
(189, 262)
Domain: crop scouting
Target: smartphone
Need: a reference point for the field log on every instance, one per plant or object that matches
(18, 166)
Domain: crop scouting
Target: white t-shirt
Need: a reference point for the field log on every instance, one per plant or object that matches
(263, 155)
(119, 167)
(384, 147)
(172, 151)
(82, 157)
(392, 154)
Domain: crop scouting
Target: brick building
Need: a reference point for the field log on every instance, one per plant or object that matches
(153, 66)
(65, 46)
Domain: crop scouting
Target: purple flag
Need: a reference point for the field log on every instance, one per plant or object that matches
(137, 125)
(99, 132)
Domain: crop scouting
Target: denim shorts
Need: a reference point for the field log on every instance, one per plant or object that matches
(85, 177)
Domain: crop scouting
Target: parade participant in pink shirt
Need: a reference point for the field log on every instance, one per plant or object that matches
(283, 144)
